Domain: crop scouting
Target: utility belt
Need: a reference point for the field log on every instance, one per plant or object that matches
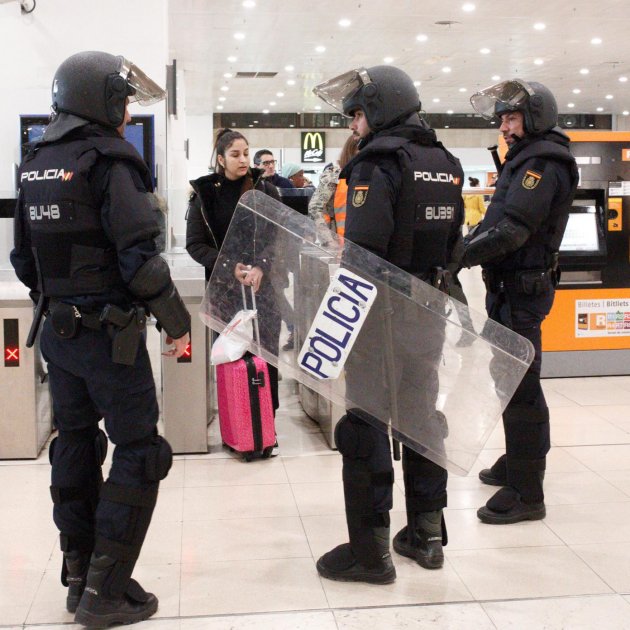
(125, 327)
(527, 281)
(438, 277)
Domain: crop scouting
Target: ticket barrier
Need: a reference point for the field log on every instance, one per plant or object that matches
(188, 395)
(316, 271)
(587, 332)
(26, 418)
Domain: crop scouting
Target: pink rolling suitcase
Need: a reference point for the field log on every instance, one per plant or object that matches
(245, 407)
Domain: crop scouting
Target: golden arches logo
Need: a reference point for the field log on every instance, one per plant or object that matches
(313, 140)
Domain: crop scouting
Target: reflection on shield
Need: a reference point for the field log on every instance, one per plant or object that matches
(371, 337)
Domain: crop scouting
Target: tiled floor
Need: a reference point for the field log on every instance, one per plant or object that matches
(233, 545)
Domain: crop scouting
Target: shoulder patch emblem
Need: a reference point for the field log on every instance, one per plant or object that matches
(531, 179)
(359, 196)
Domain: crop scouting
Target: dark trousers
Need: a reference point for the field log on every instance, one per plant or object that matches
(526, 418)
(87, 386)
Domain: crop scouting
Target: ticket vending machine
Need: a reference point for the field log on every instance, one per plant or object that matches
(587, 332)
(26, 416)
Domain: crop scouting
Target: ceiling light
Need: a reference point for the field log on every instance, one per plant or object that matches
(468, 7)
(222, 98)
(290, 82)
(255, 122)
(571, 105)
(289, 68)
(317, 107)
(344, 22)
(421, 38)
(224, 88)
(493, 122)
(272, 103)
(446, 69)
(449, 111)
(446, 127)
(249, 4)
(596, 41)
(232, 59)
(279, 94)
(320, 49)
(569, 122)
(623, 79)
(591, 125)
(239, 36)
(462, 89)
(250, 126)
(584, 71)
(576, 91)
(609, 97)
(265, 111)
(388, 59)
(228, 75)
(219, 106)
(600, 109)
(496, 77)
(625, 112)
(539, 26)
(436, 100)
(485, 51)
(417, 83)
(539, 62)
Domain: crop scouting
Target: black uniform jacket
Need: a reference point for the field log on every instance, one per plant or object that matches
(84, 211)
(404, 198)
(535, 189)
(210, 209)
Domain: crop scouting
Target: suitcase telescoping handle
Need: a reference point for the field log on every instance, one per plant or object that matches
(256, 329)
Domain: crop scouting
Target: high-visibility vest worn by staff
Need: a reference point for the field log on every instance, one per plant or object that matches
(339, 205)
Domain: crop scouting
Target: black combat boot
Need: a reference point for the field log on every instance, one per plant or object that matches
(497, 474)
(98, 608)
(507, 506)
(427, 550)
(74, 575)
(365, 559)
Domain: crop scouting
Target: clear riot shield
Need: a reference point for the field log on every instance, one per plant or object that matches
(396, 351)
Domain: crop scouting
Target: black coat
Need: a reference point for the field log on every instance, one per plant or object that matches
(205, 226)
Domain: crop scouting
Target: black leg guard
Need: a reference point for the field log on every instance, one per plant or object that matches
(76, 457)
(368, 479)
(425, 498)
(111, 595)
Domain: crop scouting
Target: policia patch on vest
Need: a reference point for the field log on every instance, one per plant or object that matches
(531, 179)
(359, 196)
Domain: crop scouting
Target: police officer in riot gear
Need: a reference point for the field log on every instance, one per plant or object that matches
(387, 213)
(517, 245)
(84, 245)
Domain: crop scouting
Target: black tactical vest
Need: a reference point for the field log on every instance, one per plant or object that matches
(538, 251)
(72, 252)
(428, 206)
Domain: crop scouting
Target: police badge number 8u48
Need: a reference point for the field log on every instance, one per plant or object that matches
(339, 319)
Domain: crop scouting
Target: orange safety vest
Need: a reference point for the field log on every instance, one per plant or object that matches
(339, 205)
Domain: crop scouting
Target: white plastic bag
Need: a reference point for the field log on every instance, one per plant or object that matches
(235, 338)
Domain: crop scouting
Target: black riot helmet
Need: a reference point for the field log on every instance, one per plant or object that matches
(385, 94)
(95, 85)
(534, 100)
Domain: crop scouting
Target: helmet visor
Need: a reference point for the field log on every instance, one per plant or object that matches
(142, 89)
(512, 94)
(335, 91)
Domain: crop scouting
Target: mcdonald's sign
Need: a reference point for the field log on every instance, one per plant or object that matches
(313, 146)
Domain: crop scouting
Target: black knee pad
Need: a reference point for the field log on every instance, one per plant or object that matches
(354, 437)
(159, 459)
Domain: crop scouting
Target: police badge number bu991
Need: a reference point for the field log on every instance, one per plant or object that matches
(339, 319)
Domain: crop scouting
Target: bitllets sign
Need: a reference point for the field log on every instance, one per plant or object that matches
(313, 146)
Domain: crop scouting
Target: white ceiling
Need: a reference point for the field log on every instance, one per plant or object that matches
(278, 33)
